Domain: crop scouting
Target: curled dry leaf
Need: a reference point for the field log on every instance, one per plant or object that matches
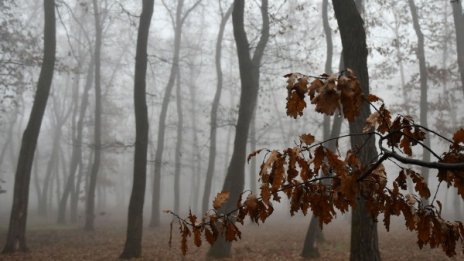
(220, 199)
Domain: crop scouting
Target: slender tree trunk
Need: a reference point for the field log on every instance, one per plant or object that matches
(364, 237)
(459, 26)
(16, 237)
(90, 199)
(314, 230)
(76, 154)
(178, 152)
(423, 83)
(133, 245)
(249, 79)
(253, 144)
(214, 110)
(155, 210)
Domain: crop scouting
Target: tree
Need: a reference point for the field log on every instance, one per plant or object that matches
(459, 26)
(90, 198)
(364, 241)
(178, 22)
(133, 245)
(214, 111)
(249, 79)
(16, 237)
(423, 82)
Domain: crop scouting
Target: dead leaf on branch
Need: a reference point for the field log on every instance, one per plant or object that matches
(220, 199)
(307, 139)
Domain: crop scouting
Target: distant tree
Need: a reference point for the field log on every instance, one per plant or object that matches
(458, 16)
(178, 21)
(90, 197)
(16, 237)
(214, 111)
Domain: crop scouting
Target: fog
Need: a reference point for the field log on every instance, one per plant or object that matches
(181, 87)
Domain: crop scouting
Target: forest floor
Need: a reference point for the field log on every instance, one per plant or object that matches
(280, 240)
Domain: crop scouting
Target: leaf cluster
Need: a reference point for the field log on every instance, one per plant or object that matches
(325, 182)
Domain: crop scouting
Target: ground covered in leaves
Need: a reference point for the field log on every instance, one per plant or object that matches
(278, 239)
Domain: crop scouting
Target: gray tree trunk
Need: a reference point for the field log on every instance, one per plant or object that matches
(133, 245)
(214, 109)
(459, 26)
(364, 237)
(90, 198)
(423, 83)
(16, 237)
(249, 79)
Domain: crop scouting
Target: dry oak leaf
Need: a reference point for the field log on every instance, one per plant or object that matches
(295, 104)
(221, 197)
(307, 139)
(459, 136)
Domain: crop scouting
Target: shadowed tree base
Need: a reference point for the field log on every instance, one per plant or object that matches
(220, 249)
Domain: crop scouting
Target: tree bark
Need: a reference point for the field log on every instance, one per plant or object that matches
(16, 237)
(90, 199)
(133, 245)
(249, 79)
(459, 26)
(364, 237)
(214, 110)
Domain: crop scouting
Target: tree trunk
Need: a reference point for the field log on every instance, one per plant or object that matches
(90, 199)
(214, 110)
(459, 26)
(133, 245)
(314, 230)
(249, 79)
(16, 236)
(178, 152)
(423, 84)
(76, 154)
(155, 210)
(364, 237)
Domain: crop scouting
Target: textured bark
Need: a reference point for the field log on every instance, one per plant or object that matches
(90, 198)
(423, 84)
(249, 79)
(16, 237)
(459, 26)
(214, 110)
(133, 245)
(364, 237)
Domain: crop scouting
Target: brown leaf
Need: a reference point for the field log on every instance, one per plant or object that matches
(295, 104)
(254, 153)
(307, 139)
(371, 121)
(221, 197)
(458, 136)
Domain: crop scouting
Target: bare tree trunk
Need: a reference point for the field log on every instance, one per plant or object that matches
(423, 84)
(253, 144)
(314, 230)
(459, 26)
(178, 152)
(133, 245)
(214, 110)
(364, 237)
(90, 199)
(16, 237)
(249, 79)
